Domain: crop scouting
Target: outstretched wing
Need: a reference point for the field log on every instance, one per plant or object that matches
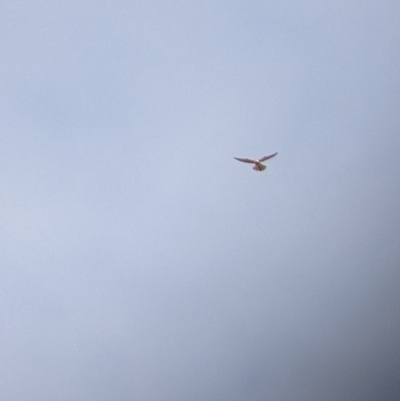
(267, 157)
(245, 160)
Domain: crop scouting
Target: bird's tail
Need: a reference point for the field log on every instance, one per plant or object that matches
(259, 167)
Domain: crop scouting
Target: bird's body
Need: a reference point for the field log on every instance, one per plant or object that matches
(258, 166)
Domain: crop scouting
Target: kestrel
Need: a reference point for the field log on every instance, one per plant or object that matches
(257, 162)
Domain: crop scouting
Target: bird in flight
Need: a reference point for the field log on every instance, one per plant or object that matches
(257, 162)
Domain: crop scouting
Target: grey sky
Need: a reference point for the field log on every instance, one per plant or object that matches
(139, 260)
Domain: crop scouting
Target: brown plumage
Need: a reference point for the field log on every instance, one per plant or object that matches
(257, 162)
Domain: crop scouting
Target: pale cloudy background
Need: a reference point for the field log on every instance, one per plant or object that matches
(139, 260)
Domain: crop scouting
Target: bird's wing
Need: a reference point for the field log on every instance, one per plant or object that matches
(267, 157)
(244, 160)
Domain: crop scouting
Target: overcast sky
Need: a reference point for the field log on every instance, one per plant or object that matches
(139, 260)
